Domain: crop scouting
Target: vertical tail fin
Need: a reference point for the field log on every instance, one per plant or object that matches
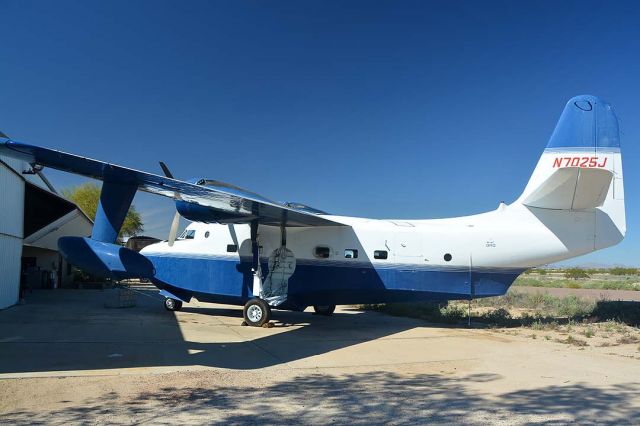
(581, 170)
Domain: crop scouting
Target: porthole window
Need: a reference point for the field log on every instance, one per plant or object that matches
(380, 254)
(447, 257)
(351, 253)
(206, 234)
(322, 252)
(232, 248)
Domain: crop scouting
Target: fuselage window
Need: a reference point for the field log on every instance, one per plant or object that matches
(351, 253)
(206, 234)
(447, 257)
(232, 248)
(322, 252)
(380, 254)
(188, 234)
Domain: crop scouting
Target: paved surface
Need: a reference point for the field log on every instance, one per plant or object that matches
(585, 293)
(64, 357)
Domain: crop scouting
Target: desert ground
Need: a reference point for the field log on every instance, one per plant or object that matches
(65, 357)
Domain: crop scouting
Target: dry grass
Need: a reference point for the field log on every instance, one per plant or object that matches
(560, 319)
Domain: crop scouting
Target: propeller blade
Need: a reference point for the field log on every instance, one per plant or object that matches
(173, 232)
(174, 229)
(166, 171)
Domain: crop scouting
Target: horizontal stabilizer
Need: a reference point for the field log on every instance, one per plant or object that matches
(572, 188)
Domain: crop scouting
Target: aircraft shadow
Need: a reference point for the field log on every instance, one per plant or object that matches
(66, 330)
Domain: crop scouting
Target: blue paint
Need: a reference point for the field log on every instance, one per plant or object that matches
(587, 122)
(204, 214)
(115, 200)
(104, 259)
(227, 279)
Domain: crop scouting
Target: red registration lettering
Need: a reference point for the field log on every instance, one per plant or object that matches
(559, 162)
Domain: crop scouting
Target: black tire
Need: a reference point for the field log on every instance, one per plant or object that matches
(172, 304)
(256, 312)
(325, 310)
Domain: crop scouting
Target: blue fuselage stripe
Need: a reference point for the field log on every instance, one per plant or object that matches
(230, 279)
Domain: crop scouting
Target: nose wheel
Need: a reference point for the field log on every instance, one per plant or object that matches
(256, 312)
(172, 304)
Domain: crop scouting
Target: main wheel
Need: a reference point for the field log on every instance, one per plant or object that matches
(324, 309)
(256, 312)
(172, 304)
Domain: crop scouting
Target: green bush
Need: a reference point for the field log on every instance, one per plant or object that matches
(576, 273)
(623, 271)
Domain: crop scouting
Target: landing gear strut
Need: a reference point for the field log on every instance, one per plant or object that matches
(172, 304)
(256, 312)
(325, 310)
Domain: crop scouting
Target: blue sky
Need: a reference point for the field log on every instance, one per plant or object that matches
(379, 109)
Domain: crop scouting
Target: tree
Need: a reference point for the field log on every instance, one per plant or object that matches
(87, 196)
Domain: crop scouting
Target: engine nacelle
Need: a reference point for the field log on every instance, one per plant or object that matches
(198, 213)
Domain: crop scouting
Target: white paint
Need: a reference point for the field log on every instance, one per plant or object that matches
(512, 236)
(11, 228)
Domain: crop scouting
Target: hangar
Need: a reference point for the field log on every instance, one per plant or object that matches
(32, 218)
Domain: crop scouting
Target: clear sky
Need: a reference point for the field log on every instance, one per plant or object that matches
(382, 109)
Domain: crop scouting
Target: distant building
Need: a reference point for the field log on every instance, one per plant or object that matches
(32, 218)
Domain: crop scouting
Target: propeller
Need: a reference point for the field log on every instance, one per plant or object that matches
(173, 232)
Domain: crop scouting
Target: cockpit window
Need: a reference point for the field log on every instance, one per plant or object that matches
(188, 234)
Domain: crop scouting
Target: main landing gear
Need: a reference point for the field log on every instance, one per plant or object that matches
(172, 304)
(256, 312)
(325, 310)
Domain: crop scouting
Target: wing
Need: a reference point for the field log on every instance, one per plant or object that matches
(212, 201)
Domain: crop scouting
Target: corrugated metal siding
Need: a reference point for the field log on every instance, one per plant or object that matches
(12, 197)
(10, 254)
(11, 228)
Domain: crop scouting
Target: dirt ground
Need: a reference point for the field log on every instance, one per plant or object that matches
(64, 358)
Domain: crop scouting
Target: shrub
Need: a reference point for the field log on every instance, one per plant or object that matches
(574, 307)
(498, 316)
(453, 313)
(576, 273)
(570, 340)
(623, 271)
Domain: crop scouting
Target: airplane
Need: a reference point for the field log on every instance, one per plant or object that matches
(244, 249)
